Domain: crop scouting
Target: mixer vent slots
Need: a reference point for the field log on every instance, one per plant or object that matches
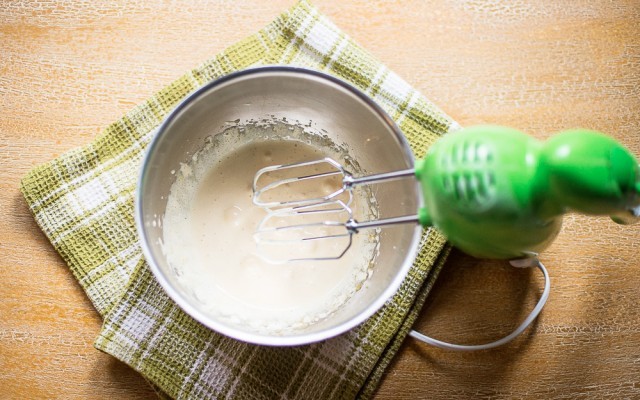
(468, 175)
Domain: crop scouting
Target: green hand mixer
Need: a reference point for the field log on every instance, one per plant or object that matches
(493, 191)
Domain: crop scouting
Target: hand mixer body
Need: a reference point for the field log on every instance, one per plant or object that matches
(498, 193)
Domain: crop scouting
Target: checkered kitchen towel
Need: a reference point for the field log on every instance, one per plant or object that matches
(83, 201)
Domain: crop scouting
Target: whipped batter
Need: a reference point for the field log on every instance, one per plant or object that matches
(209, 228)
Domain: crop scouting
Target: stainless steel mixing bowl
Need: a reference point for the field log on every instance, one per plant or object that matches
(347, 115)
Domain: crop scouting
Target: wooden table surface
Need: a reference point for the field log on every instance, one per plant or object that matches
(69, 68)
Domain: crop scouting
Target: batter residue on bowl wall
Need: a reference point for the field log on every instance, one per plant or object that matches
(209, 225)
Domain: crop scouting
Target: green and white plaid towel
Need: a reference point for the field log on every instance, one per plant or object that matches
(83, 201)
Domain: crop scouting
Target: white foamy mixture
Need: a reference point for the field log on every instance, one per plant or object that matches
(208, 238)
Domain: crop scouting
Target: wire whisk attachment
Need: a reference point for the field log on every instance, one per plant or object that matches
(311, 182)
(311, 232)
(309, 214)
(304, 183)
(321, 231)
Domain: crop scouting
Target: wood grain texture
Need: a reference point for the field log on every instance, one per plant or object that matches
(68, 68)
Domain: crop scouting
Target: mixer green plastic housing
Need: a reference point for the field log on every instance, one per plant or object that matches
(498, 193)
